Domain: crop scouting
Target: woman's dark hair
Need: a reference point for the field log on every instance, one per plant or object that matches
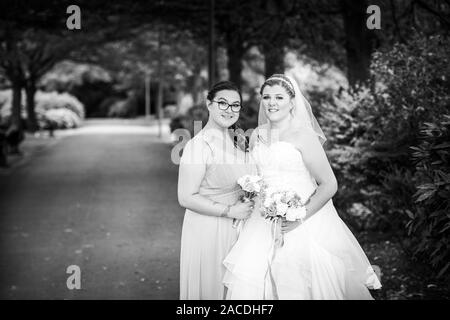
(239, 142)
(222, 85)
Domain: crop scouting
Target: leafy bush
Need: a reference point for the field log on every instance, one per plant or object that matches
(53, 100)
(56, 110)
(60, 119)
(123, 108)
(430, 225)
(90, 84)
(371, 131)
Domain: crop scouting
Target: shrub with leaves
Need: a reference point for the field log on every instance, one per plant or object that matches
(430, 224)
(60, 119)
(53, 109)
(123, 108)
(53, 100)
(58, 110)
(371, 131)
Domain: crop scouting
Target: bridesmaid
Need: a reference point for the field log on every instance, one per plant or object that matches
(209, 168)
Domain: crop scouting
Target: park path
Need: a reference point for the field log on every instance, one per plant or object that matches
(103, 198)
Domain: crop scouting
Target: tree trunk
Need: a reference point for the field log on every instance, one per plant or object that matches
(357, 40)
(273, 57)
(212, 45)
(235, 52)
(3, 149)
(197, 91)
(15, 134)
(159, 103)
(16, 117)
(159, 106)
(30, 90)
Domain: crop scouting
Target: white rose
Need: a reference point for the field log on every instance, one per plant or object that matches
(248, 186)
(267, 202)
(270, 191)
(294, 214)
(241, 181)
(277, 197)
(282, 208)
(291, 215)
(290, 194)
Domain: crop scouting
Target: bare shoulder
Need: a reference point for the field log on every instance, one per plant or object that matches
(262, 131)
(200, 143)
(261, 128)
(254, 137)
(303, 138)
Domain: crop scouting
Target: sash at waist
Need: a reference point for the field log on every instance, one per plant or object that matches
(221, 195)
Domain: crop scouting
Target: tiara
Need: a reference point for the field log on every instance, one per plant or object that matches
(285, 80)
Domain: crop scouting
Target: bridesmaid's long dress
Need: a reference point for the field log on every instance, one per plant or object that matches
(206, 240)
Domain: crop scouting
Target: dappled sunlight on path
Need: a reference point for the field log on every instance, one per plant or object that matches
(121, 127)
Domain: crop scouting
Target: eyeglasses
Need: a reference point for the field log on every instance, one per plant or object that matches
(223, 105)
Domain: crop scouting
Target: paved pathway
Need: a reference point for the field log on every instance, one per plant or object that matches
(102, 198)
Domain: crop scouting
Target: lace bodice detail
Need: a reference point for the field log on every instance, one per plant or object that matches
(281, 166)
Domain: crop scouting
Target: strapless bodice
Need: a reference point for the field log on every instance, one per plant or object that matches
(282, 167)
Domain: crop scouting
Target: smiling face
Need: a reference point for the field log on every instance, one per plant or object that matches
(224, 118)
(276, 102)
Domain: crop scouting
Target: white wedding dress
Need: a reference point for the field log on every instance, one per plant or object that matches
(320, 259)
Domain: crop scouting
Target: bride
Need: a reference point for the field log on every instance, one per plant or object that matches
(318, 258)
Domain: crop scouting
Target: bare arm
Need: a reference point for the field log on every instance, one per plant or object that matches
(190, 177)
(316, 161)
(318, 165)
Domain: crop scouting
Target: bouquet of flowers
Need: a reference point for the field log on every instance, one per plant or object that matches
(281, 204)
(252, 186)
(277, 204)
